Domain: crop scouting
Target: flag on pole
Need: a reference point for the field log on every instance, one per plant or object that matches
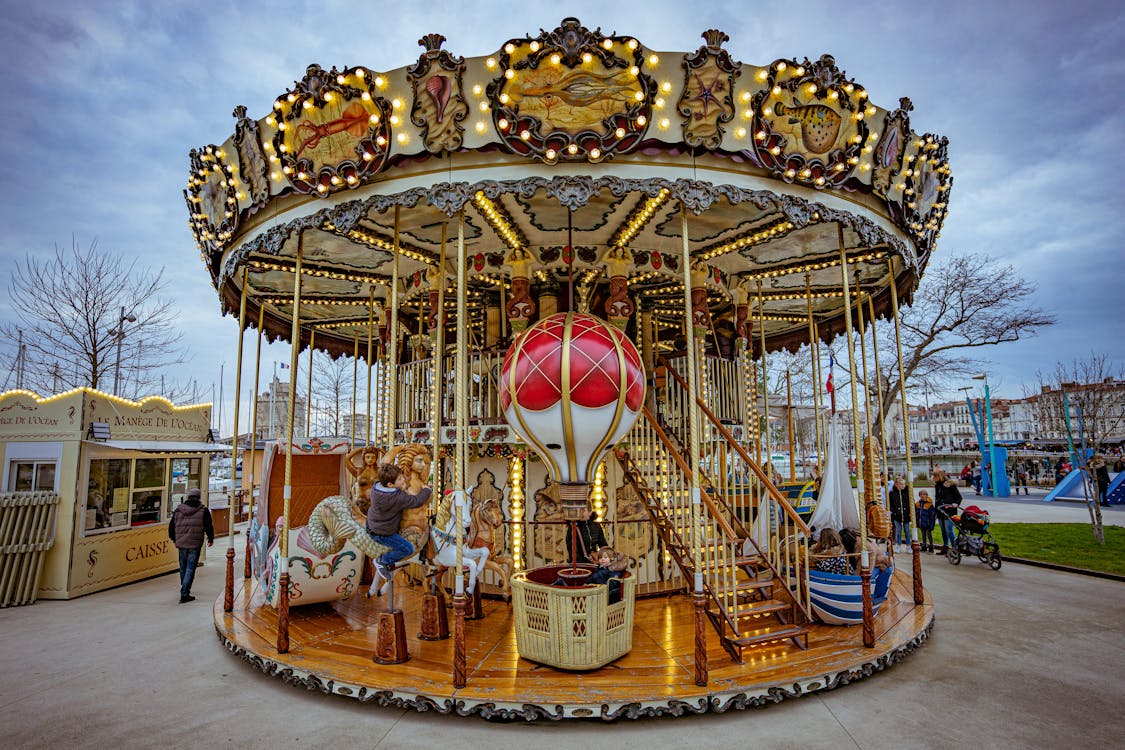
(283, 365)
(828, 385)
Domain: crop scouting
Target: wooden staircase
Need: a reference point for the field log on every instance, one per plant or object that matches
(749, 605)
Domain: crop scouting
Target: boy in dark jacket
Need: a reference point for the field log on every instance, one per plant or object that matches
(389, 499)
(189, 523)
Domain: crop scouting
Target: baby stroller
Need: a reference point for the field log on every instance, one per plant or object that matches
(973, 538)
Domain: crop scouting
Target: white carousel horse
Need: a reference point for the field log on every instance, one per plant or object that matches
(444, 540)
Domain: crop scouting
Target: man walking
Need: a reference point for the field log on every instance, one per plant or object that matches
(187, 527)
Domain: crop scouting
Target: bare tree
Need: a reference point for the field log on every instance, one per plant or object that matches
(332, 386)
(966, 303)
(84, 311)
(1082, 402)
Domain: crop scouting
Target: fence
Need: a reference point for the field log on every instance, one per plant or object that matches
(27, 531)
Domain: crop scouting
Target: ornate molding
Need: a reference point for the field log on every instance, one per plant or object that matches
(439, 98)
(707, 101)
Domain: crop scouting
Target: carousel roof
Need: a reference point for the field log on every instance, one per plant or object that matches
(571, 156)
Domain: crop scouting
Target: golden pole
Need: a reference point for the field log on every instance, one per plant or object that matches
(914, 545)
(789, 409)
(254, 435)
(864, 560)
(460, 407)
(287, 492)
(814, 366)
(370, 336)
(390, 384)
(308, 391)
(439, 366)
(228, 594)
(878, 383)
(695, 444)
(765, 384)
(355, 382)
(862, 326)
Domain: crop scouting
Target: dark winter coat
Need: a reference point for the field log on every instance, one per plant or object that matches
(591, 538)
(899, 501)
(926, 515)
(189, 524)
(947, 498)
(387, 505)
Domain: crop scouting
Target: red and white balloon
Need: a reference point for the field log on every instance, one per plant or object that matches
(571, 387)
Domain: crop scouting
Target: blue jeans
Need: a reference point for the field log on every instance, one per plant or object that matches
(948, 536)
(189, 558)
(399, 548)
(902, 532)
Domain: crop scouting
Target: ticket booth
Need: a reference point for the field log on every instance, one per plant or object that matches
(119, 468)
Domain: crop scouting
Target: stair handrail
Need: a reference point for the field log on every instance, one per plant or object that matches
(775, 493)
(727, 529)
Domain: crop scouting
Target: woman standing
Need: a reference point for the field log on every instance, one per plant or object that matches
(947, 499)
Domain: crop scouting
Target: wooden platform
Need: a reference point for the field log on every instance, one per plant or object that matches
(332, 645)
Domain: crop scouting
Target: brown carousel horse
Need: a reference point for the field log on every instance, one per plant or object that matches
(487, 531)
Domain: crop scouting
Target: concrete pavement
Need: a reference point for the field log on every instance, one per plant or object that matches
(1018, 658)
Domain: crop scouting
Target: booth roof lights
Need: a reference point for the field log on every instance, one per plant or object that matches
(854, 257)
(379, 243)
(101, 394)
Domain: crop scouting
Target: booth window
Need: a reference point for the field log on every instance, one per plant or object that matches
(32, 476)
(149, 480)
(107, 496)
(186, 475)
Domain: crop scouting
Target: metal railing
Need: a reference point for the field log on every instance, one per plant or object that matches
(414, 390)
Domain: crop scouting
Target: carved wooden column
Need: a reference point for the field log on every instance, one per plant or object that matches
(648, 335)
(492, 322)
(548, 297)
(521, 307)
(618, 307)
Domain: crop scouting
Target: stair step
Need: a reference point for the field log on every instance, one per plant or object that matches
(765, 607)
(744, 587)
(770, 634)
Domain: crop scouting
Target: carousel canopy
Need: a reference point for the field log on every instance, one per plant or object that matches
(569, 159)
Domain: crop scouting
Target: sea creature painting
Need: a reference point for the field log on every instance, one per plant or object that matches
(438, 88)
(574, 100)
(820, 124)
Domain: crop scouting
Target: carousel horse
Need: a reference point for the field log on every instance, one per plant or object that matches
(444, 540)
(486, 533)
(335, 541)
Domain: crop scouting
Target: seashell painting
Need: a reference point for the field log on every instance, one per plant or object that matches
(820, 124)
(890, 148)
(439, 88)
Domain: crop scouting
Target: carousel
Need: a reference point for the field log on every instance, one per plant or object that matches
(559, 272)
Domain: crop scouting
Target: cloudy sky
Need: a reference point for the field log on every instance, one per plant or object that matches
(102, 100)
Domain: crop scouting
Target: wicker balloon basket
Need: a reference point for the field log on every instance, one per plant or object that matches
(571, 627)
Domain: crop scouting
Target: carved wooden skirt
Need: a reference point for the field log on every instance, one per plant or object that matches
(570, 627)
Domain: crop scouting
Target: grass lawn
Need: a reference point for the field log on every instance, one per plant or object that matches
(1064, 544)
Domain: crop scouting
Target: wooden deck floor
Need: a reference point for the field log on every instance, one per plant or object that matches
(332, 645)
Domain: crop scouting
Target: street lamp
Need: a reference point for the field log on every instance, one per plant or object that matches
(119, 332)
(991, 440)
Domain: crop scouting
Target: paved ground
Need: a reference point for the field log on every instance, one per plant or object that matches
(1019, 658)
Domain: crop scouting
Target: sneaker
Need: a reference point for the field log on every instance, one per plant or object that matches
(381, 571)
(186, 599)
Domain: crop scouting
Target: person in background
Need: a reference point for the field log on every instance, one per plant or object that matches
(1101, 478)
(926, 517)
(947, 500)
(976, 476)
(1020, 472)
(899, 502)
(590, 538)
(190, 522)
